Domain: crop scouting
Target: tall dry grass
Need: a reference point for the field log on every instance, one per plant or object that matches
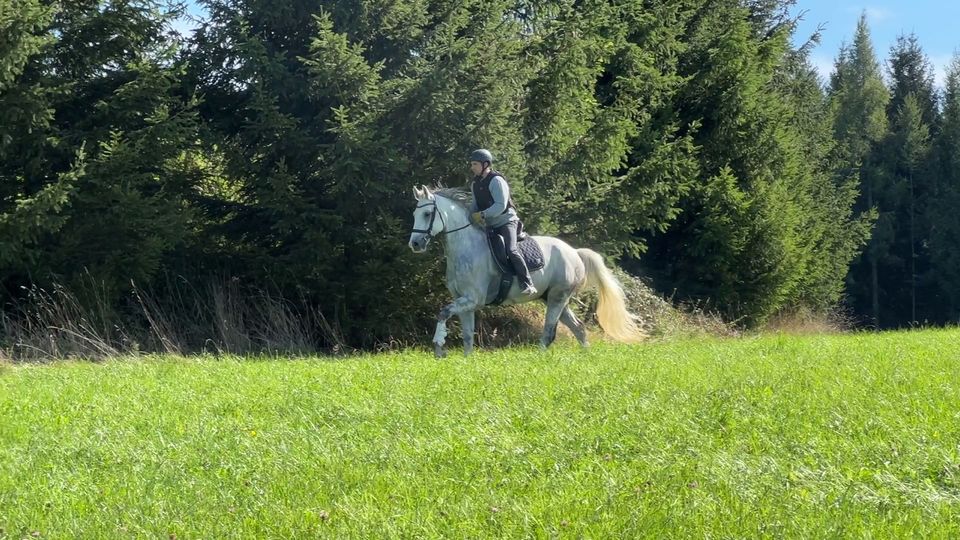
(223, 316)
(219, 318)
(804, 321)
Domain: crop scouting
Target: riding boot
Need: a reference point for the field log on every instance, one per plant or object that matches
(520, 268)
(508, 232)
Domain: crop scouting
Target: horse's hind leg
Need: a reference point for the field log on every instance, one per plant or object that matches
(573, 323)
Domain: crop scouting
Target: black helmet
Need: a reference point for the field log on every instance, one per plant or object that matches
(481, 155)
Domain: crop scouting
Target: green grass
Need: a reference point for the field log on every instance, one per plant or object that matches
(847, 436)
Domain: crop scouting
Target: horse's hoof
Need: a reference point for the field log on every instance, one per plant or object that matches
(439, 351)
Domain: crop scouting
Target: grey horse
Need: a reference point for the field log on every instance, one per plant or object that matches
(473, 276)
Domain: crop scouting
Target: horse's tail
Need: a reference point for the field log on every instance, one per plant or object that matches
(612, 312)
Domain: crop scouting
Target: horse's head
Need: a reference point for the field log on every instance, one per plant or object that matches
(427, 221)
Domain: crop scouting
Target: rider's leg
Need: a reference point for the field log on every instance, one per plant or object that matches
(509, 234)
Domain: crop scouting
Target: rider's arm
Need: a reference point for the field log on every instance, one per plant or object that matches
(501, 194)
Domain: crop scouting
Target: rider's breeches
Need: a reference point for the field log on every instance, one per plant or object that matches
(509, 234)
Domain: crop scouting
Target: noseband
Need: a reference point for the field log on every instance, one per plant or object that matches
(433, 217)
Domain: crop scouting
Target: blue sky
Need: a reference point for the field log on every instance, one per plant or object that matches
(193, 10)
(931, 20)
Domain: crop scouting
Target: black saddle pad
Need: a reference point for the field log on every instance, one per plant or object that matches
(529, 248)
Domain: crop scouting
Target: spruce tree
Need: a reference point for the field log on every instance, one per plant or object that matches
(125, 109)
(607, 159)
(834, 234)
(32, 194)
(912, 79)
(914, 112)
(95, 175)
(752, 235)
(943, 216)
(344, 112)
(858, 99)
(326, 118)
(911, 72)
(910, 139)
(903, 187)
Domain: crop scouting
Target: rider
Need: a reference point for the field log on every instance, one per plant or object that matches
(493, 208)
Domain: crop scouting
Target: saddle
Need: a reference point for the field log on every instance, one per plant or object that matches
(529, 249)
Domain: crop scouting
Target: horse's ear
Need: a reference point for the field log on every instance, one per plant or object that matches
(427, 194)
(417, 194)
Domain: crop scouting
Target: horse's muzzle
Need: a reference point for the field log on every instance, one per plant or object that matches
(419, 244)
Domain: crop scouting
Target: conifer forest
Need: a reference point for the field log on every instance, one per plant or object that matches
(158, 183)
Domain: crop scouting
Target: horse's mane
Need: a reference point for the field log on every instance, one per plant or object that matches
(460, 195)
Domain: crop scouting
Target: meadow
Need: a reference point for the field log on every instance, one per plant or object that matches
(777, 436)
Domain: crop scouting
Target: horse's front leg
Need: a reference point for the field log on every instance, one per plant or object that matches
(467, 319)
(459, 306)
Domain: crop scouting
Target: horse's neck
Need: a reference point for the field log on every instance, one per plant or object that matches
(454, 215)
(460, 242)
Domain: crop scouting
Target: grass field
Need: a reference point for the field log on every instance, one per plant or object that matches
(842, 436)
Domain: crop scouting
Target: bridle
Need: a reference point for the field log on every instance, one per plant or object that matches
(433, 218)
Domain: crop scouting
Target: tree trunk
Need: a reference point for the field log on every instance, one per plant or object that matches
(874, 286)
(913, 259)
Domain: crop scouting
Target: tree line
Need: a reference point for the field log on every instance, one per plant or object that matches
(274, 148)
